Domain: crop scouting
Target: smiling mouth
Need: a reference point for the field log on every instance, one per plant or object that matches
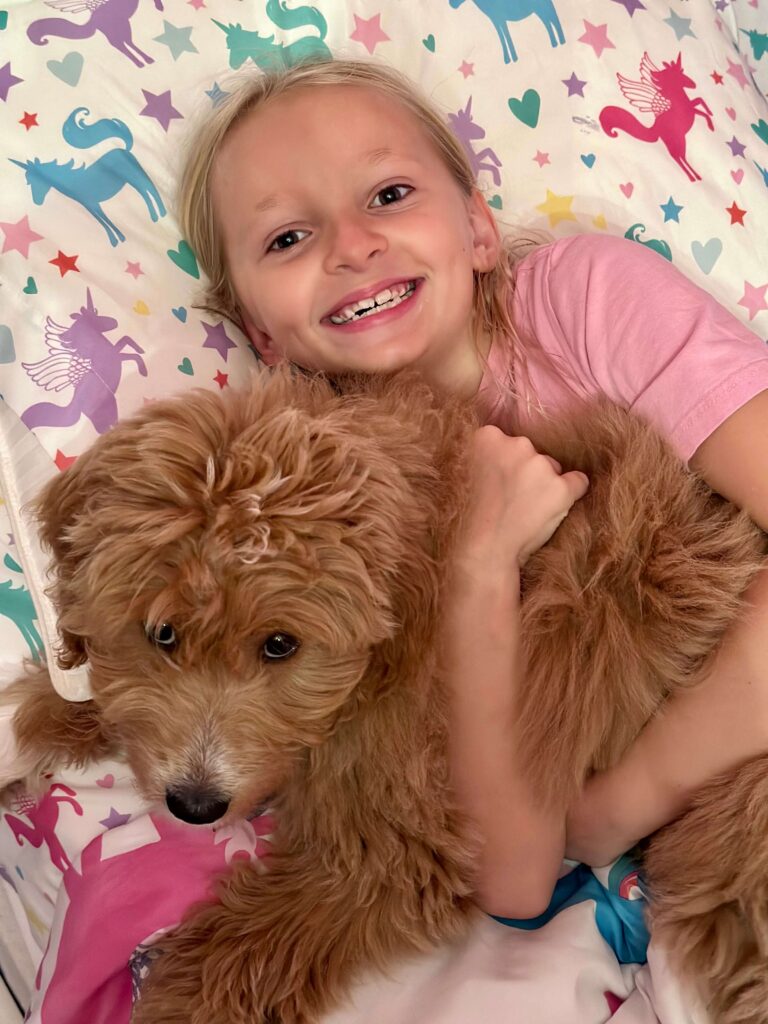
(386, 299)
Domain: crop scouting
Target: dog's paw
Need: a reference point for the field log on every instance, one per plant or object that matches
(219, 969)
(14, 765)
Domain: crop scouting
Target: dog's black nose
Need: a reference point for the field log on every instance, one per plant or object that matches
(196, 806)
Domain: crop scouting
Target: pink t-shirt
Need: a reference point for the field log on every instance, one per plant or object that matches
(601, 315)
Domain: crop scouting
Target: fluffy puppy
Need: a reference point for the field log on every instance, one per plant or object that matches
(255, 582)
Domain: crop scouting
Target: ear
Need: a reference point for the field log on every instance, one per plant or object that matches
(261, 341)
(58, 505)
(66, 498)
(486, 240)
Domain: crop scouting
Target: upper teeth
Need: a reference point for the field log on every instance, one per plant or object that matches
(388, 296)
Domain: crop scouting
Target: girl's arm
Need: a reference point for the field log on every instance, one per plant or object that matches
(517, 500)
(522, 843)
(720, 723)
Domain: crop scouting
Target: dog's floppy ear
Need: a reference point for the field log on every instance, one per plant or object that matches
(65, 501)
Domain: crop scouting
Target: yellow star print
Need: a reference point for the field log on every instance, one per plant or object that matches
(557, 208)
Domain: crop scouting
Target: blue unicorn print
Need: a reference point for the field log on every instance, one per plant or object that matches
(90, 185)
(502, 11)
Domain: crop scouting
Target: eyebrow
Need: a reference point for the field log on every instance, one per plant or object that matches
(373, 158)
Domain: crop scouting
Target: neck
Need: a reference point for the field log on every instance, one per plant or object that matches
(459, 373)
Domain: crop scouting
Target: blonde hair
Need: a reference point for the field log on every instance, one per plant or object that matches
(492, 289)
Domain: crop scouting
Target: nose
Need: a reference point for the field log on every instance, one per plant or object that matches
(197, 805)
(355, 241)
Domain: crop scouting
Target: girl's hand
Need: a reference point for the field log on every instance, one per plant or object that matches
(517, 500)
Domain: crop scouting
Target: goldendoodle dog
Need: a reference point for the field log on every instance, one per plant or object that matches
(255, 582)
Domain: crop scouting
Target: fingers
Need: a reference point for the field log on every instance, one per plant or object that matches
(519, 497)
(578, 483)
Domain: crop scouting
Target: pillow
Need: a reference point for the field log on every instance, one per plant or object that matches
(557, 111)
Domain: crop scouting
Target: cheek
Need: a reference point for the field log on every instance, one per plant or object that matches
(281, 303)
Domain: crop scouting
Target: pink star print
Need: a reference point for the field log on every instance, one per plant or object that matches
(466, 68)
(737, 71)
(596, 36)
(368, 31)
(19, 236)
(541, 158)
(753, 298)
(134, 269)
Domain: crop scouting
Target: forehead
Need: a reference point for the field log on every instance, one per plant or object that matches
(313, 135)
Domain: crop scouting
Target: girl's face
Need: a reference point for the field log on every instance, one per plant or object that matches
(330, 197)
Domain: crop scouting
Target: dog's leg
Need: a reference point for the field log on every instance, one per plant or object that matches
(283, 947)
(707, 876)
(48, 732)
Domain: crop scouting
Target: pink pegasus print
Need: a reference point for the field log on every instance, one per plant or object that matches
(465, 129)
(43, 817)
(126, 888)
(661, 92)
(81, 357)
(110, 17)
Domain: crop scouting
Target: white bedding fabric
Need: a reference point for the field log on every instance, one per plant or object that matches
(559, 975)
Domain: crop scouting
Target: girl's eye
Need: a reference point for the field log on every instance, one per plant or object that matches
(391, 194)
(279, 646)
(286, 240)
(162, 636)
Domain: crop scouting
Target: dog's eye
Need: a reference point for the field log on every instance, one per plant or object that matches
(279, 645)
(163, 636)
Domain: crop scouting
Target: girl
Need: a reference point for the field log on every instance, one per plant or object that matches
(339, 225)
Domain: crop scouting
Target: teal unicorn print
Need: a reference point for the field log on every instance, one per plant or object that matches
(268, 54)
(503, 11)
(92, 184)
(757, 40)
(16, 605)
(657, 244)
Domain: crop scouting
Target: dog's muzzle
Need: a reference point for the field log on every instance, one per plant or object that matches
(195, 804)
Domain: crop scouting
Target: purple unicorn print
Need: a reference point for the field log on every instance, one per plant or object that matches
(90, 185)
(43, 817)
(503, 11)
(110, 17)
(465, 129)
(81, 357)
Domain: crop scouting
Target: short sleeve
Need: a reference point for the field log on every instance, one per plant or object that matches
(633, 327)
